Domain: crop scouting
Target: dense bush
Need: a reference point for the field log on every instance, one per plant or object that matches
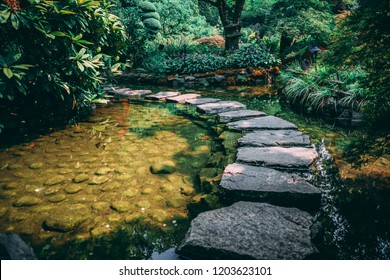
(254, 55)
(54, 53)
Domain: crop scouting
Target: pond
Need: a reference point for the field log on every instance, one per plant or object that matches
(124, 211)
(114, 186)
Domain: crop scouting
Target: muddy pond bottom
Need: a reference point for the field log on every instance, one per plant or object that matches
(113, 187)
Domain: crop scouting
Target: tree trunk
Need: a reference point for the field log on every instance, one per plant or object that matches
(285, 42)
(231, 21)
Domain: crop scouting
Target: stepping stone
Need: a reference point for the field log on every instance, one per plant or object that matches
(260, 184)
(248, 230)
(201, 101)
(138, 93)
(267, 138)
(163, 95)
(278, 157)
(268, 122)
(220, 107)
(239, 115)
(183, 98)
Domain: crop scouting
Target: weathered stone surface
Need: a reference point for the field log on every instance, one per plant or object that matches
(26, 201)
(201, 101)
(275, 138)
(57, 198)
(294, 158)
(244, 182)
(267, 122)
(248, 230)
(80, 178)
(163, 95)
(103, 171)
(36, 165)
(72, 189)
(16, 248)
(166, 167)
(67, 218)
(239, 115)
(220, 107)
(183, 98)
(58, 179)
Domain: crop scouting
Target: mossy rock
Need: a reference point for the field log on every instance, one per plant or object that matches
(68, 218)
(10, 186)
(73, 189)
(26, 201)
(121, 206)
(55, 180)
(57, 198)
(133, 217)
(166, 188)
(100, 206)
(147, 6)
(147, 191)
(52, 190)
(114, 218)
(166, 167)
(176, 202)
(186, 190)
(143, 204)
(152, 24)
(111, 186)
(158, 215)
(36, 165)
(151, 31)
(103, 171)
(131, 193)
(3, 211)
(80, 178)
(98, 180)
(100, 231)
(154, 15)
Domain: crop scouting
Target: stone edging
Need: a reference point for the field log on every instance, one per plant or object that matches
(261, 224)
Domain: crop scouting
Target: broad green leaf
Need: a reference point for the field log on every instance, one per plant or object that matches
(50, 36)
(15, 21)
(8, 72)
(23, 66)
(4, 16)
(84, 42)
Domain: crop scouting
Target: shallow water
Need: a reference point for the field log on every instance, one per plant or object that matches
(88, 191)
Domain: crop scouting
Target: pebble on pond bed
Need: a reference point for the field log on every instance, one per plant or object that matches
(80, 178)
(121, 206)
(58, 179)
(26, 201)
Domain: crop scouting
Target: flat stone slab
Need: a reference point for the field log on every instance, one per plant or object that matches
(260, 184)
(201, 101)
(267, 122)
(128, 93)
(163, 95)
(249, 230)
(239, 115)
(266, 138)
(293, 158)
(220, 107)
(183, 98)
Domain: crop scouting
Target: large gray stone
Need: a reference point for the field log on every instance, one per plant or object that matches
(268, 122)
(163, 95)
(128, 93)
(248, 230)
(220, 107)
(239, 115)
(201, 101)
(183, 98)
(266, 138)
(260, 184)
(16, 248)
(278, 157)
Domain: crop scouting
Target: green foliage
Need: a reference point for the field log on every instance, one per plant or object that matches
(150, 15)
(321, 84)
(254, 55)
(55, 52)
(202, 63)
(152, 24)
(300, 22)
(147, 6)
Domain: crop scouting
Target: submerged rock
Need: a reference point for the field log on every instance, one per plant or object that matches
(98, 180)
(165, 167)
(121, 206)
(80, 178)
(67, 218)
(57, 198)
(26, 201)
(103, 171)
(55, 180)
(248, 230)
(73, 189)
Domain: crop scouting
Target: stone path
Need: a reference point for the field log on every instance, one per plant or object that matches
(260, 184)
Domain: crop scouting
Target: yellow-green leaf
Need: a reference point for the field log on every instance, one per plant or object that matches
(66, 12)
(15, 21)
(8, 72)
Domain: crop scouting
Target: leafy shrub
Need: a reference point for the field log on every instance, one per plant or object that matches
(253, 55)
(53, 53)
(215, 41)
(202, 63)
